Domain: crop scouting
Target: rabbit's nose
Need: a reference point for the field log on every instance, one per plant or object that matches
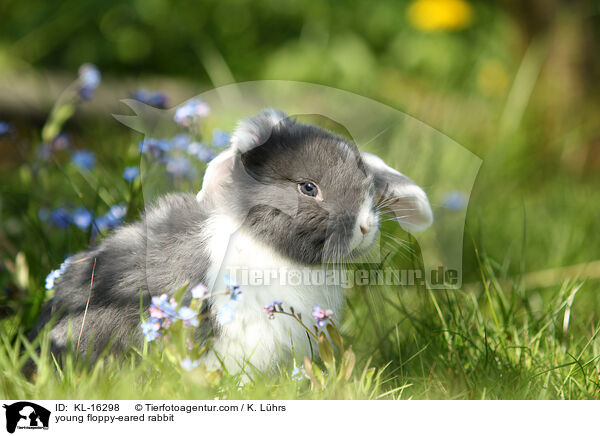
(364, 229)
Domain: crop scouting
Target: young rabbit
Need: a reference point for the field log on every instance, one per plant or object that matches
(284, 196)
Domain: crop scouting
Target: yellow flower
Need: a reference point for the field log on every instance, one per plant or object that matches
(433, 15)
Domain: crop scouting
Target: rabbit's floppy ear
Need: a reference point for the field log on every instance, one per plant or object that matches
(398, 195)
(255, 131)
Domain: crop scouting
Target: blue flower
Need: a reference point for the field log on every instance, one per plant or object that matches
(115, 214)
(101, 224)
(155, 147)
(200, 152)
(226, 314)
(82, 218)
(164, 308)
(89, 78)
(191, 112)
(235, 294)
(199, 291)
(55, 274)
(189, 364)
(131, 173)
(232, 287)
(63, 266)
(112, 218)
(178, 167)
(298, 373)
(51, 278)
(163, 312)
(61, 218)
(220, 138)
(151, 329)
(455, 201)
(6, 128)
(181, 141)
(272, 307)
(156, 99)
(84, 159)
(321, 316)
(188, 316)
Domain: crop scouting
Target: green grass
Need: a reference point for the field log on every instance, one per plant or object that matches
(491, 341)
(494, 339)
(521, 327)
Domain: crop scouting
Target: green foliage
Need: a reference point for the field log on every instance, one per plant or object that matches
(520, 98)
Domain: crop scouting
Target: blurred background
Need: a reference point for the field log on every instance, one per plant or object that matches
(514, 82)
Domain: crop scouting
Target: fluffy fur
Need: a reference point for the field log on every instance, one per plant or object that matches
(250, 214)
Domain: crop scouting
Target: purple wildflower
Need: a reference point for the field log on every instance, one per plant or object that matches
(164, 310)
(199, 291)
(62, 141)
(321, 316)
(191, 112)
(272, 307)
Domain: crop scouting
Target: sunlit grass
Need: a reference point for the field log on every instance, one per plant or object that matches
(491, 340)
(521, 327)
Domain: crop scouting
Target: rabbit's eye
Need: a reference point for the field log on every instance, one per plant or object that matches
(308, 188)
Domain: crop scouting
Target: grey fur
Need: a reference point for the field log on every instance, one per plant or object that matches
(160, 254)
(264, 185)
(257, 184)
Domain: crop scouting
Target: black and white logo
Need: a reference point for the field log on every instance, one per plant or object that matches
(26, 415)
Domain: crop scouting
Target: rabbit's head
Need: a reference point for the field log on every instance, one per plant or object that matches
(307, 193)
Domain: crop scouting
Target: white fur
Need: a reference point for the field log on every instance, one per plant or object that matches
(418, 215)
(218, 170)
(376, 163)
(411, 206)
(252, 131)
(252, 339)
(369, 219)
